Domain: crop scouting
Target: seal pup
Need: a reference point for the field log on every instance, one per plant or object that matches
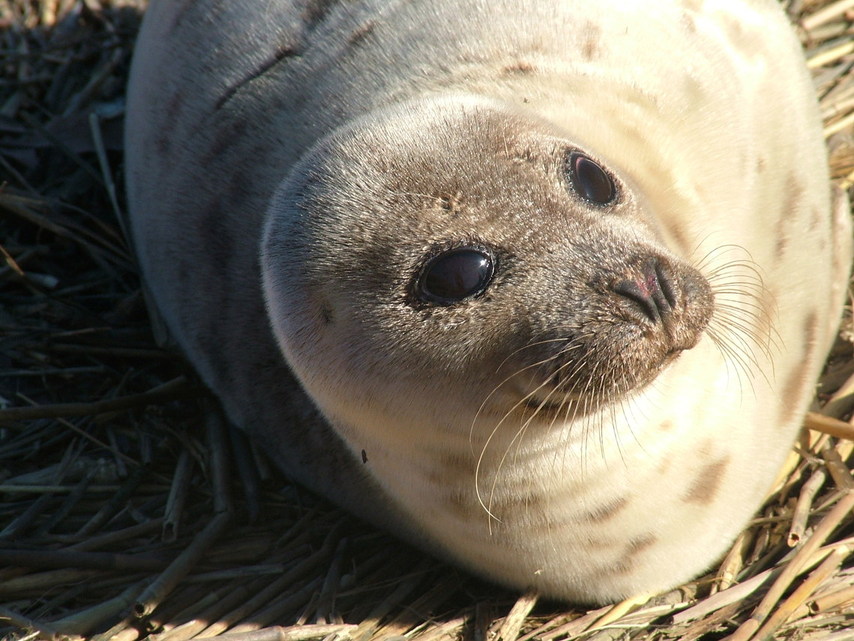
(516, 280)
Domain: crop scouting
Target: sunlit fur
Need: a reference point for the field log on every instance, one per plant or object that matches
(292, 164)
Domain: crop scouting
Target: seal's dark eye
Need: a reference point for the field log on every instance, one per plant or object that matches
(590, 181)
(455, 275)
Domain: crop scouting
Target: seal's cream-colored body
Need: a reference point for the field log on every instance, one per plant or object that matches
(605, 410)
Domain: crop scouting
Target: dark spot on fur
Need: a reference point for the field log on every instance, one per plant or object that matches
(364, 456)
(678, 236)
(313, 15)
(520, 502)
(836, 261)
(741, 38)
(284, 50)
(181, 14)
(162, 143)
(361, 33)
(797, 380)
(591, 47)
(623, 567)
(688, 22)
(519, 67)
(315, 11)
(460, 502)
(607, 511)
(225, 137)
(780, 247)
(760, 164)
(638, 544)
(815, 218)
(174, 107)
(448, 466)
(765, 312)
(706, 449)
(693, 90)
(451, 203)
(706, 483)
(665, 426)
(792, 202)
(326, 314)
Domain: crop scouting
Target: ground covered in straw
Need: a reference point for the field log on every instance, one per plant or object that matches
(126, 514)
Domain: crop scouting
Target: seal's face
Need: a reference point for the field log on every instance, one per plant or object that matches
(520, 271)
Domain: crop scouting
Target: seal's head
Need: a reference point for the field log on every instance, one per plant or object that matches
(469, 295)
(452, 258)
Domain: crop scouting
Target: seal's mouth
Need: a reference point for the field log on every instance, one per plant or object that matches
(577, 395)
(609, 337)
(548, 406)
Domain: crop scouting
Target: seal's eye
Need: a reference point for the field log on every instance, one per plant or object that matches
(455, 275)
(589, 180)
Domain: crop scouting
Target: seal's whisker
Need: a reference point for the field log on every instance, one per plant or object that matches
(518, 351)
(736, 283)
(495, 430)
(557, 389)
(499, 386)
(724, 249)
(743, 269)
(737, 328)
(517, 440)
(743, 330)
(735, 358)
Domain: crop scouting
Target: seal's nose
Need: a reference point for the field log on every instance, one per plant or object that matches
(652, 290)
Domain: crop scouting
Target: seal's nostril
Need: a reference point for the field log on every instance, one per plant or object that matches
(666, 281)
(638, 293)
(653, 290)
